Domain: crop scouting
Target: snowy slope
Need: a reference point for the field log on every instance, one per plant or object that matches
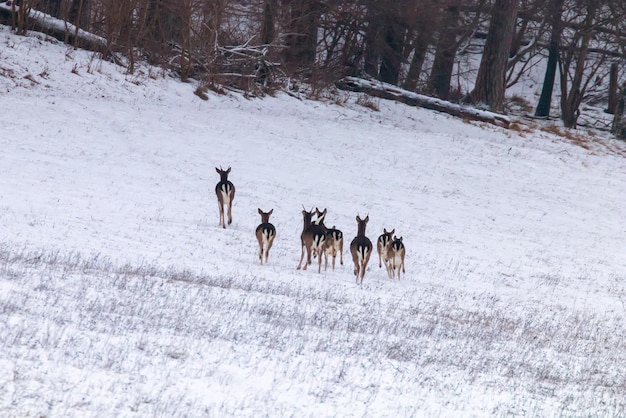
(122, 296)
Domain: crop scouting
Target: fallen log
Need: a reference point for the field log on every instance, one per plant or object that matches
(57, 28)
(391, 92)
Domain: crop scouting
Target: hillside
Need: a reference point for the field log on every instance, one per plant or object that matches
(120, 295)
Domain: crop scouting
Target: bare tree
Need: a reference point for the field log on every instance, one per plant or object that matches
(555, 10)
(301, 38)
(575, 72)
(441, 73)
(427, 16)
(489, 86)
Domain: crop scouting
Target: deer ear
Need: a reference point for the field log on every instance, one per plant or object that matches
(260, 211)
(358, 219)
(228, 171)
(270, 212)
(217, 169)
(367, 218)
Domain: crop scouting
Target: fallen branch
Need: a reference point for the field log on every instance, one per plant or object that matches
(391, 92)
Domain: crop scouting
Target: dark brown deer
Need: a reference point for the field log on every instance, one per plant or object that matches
(225, 192)
(313, 237)
(395, 257)
(265, 234)
(361, 249)
(334, 240)
(381, 246)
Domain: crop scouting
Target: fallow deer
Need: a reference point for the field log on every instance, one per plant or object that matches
(225, 191)
(334, 240)
(381, 246)
(395, 257)
(313, 237)
(361, 249)
(265, 234)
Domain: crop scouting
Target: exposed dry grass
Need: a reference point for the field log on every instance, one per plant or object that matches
(368, 102)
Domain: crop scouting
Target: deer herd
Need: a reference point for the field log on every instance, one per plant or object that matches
(317, 239)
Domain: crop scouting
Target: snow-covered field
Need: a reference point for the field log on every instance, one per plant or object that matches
(120, 295)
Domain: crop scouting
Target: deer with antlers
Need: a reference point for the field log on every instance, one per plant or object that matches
(265, 234)
(225, 191)
(313, 238)
(381, 246)
(395, 257)
(361, 249)
(334, 240)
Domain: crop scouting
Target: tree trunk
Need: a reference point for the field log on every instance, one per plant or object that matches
(570, 100)
(489, 87)
(372, 41)
(52, 7)
(423, 40)
(301, 41)
(391, 58)
(267, 25)
(613, 76)
(545, 100)
(441, 73)
(619, 120)
(78, 13)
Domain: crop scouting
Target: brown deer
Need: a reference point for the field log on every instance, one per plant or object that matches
(334, 240)
(313, 237)
(361, 249)
(381, 246)
(395, 257)
(265, 234)
(225, 192)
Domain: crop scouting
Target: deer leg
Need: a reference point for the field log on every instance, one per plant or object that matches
(267, 251)
(341, 254)
(319, 263)
(308, 257)
(230, 212)
(301, 258)
(221, 208)
(361, 273)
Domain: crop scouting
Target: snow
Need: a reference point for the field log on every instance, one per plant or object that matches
(120, 294)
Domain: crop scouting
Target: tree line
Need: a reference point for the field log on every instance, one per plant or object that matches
(424, 46)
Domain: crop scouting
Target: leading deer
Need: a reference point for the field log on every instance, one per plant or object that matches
(225, 192)
(334, 240)
(361, 249)
(265, 234)
(313, 237)
(395, 257)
